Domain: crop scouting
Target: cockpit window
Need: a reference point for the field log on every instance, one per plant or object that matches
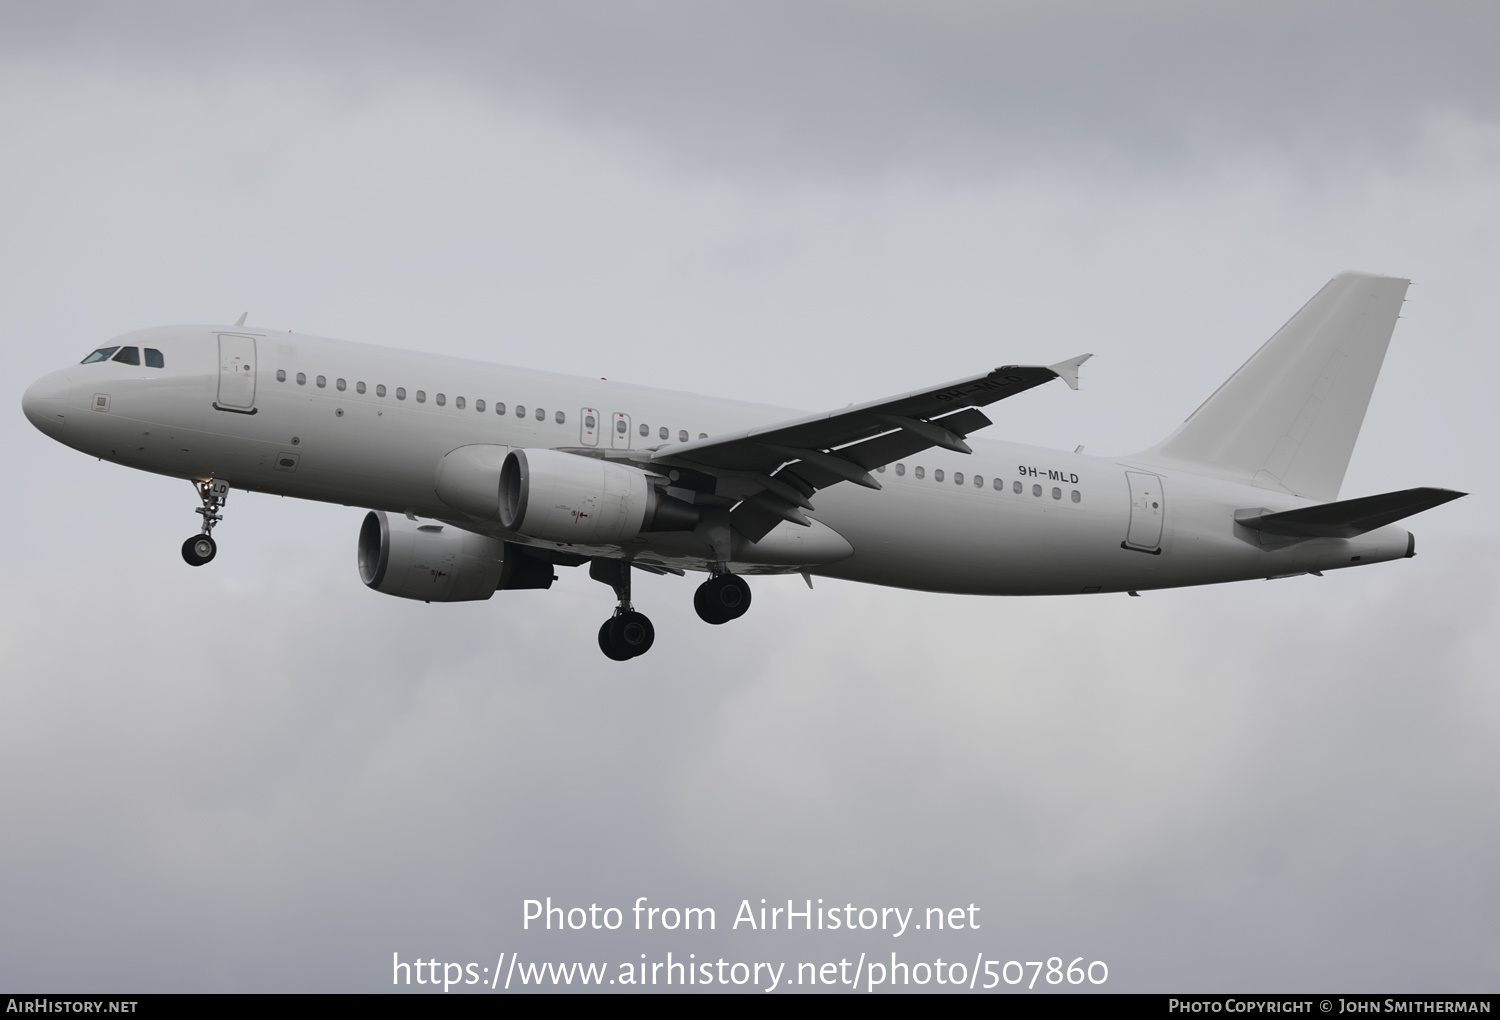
(102, 354)
(128, 356)
(154, 358)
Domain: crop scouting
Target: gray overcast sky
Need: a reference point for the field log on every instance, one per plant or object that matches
(261, 776)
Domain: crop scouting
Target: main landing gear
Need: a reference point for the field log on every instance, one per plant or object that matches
(627, 633)
(722, 598)
(201, 548)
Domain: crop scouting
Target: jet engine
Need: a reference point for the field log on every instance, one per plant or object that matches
(440, 563)
(564, 497)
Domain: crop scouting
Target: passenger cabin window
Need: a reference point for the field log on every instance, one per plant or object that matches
(340, 385)
(703, 435)
(541, 415)
(359, 387)
(102, 354)
(1056, 492)
(128, 356)
(1076, 496)
(919, 472)
(999, 485)
(380, 390)
(154, 358)
(520, 410)
(958, 478)
(979, 481)
(1036, 490)
(880, 468)
(400, 392)
(479, 406)
(645, 429)
(682, 436)
(560, 418)
(281, 375)
(441, 400)
(301, 378)
(900, 470)
(662, 432)
(421, 396)
(1016, 488)
(322, 382)
(937, 476)
(499, 408)
(458, 402)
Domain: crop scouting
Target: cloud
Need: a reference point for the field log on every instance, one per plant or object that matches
(293, 780)
(838, 89)
(262, 776)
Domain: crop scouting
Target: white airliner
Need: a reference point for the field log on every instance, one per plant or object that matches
(483, 478)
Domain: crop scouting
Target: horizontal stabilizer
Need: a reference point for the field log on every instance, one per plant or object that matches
(1346, 518)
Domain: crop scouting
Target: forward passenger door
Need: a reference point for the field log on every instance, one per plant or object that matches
(236, 373)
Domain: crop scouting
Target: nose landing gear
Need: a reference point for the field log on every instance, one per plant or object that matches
(722, 598)
(201, 548)
(628, 633)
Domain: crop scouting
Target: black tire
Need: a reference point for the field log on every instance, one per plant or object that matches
(199, 549)
(721, 599)
(607, 644)
(632, 634)
(734, 595)
(703, 607)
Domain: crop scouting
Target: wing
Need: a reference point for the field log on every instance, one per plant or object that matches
(772, 472)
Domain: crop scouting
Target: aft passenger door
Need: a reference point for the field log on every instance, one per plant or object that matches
(1148, 507)
(236, 373)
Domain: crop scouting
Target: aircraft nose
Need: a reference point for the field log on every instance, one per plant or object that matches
(46, 401)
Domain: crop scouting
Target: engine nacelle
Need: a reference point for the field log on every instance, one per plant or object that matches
(563, 497)
(440, 563)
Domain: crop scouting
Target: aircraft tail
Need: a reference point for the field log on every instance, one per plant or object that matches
(1288, 418)
(1348, 518)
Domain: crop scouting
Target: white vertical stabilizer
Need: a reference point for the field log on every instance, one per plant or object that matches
(1288, 419)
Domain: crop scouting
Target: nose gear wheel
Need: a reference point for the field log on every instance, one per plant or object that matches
(199, 549)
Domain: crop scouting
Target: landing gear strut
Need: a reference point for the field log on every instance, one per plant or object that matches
(627, 633)
(201, 548)
(722, 598)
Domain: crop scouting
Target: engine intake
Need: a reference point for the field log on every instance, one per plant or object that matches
(440, 563)
(563, 497)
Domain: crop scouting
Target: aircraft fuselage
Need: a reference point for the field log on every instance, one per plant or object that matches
(348, 423)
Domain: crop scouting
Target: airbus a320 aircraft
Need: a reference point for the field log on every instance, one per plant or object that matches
(482, 478)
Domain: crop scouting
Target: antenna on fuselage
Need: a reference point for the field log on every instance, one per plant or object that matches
(241, 320)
